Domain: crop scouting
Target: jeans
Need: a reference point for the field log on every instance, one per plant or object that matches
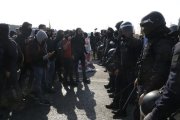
(50, 73)
(76, 62)
(68, 69)
(39, 78)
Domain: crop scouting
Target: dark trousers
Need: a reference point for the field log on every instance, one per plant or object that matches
(68, 68)
(59, 68)
(94, 53)
(81, 58)
(112, 81)
(119, 83)
(26, 71)
(123, 87)
(124, 78)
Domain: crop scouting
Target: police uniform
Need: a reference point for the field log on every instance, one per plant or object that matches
(154, 64)
(169, 102)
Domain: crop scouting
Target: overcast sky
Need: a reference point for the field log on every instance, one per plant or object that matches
(87, 14)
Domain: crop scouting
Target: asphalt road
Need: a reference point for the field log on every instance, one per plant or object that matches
(85, 102)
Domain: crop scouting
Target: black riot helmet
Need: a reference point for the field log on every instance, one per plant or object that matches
(100, 47)
(126, 29)
(111, 52)
(110, 32)
(173, 29)
(174, 32)
(111, 44)
(152, 22)
(149, 101)
(118, 25)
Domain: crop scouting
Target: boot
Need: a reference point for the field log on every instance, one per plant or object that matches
(112, 106)
(119, 114)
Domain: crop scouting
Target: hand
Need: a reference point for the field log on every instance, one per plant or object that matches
(136, 82)
(148, 117)
(141, 99)
(8, 74)
(50, 54)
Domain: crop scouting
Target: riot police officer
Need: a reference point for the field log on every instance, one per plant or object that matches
(156, 55)
(169, 101)
(127, 55)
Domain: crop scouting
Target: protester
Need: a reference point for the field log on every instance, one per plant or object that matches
(39, 64)
(51, 61)
(93, 43)
(23, 40)
(59, 54)
(68, 61)
(10, 91)
(79, 51)
(87, 47)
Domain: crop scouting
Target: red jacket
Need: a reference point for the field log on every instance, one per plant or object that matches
(67, 52)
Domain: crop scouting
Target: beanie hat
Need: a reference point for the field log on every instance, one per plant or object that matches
(41, 36)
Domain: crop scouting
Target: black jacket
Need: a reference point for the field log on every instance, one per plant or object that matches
(51, 46)
(78, 45)
(130, 49)
(21, 41)
(93, 42)
(36, 53)
(9, 60)
(169, 101)
(155, 63)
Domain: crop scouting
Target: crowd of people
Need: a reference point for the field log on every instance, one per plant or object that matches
(33, 59)
(136, 66)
